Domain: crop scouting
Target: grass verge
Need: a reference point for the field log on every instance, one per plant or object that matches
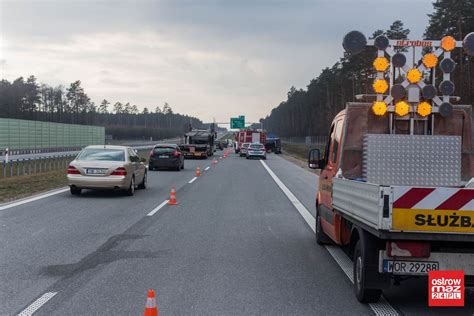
(298, 154)
(22, 186)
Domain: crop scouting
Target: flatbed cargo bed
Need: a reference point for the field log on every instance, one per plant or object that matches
(403, 212)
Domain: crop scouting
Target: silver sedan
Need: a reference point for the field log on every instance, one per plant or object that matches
(107, 167)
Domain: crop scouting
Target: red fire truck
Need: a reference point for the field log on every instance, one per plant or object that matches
(249, 136)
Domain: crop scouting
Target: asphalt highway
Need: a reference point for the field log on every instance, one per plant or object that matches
(234, 244)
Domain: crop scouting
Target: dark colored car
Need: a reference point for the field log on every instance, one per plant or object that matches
(167, 156)
(219, 144)
(273, 145)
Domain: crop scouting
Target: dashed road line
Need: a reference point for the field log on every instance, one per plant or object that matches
(382, 307)
(156, 209)
(207, 168)
(192, 180)
(37, 304)
(32, 199)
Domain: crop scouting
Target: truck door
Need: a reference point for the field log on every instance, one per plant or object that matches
(331, 157)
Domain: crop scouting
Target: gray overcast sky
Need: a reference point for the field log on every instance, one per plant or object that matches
(205, 58)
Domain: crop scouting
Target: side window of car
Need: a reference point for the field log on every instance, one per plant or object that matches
(133, 156)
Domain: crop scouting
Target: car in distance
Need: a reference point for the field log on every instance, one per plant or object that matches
(256, 150)
(167, 156)
(243, 149)
(107, 168)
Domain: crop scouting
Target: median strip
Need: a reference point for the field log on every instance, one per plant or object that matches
(382, 307)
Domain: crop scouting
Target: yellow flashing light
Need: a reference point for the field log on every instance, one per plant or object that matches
(381, 63)
(423, 109)
(413, 75)
(448, 43)
(402, 108)
(379, 108)
(430, 60)
(380, 86)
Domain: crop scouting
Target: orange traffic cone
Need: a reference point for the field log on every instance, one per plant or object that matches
(172, 200)
(151, 309)
(198, 172)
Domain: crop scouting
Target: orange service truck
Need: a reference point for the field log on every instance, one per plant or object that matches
(396, 188)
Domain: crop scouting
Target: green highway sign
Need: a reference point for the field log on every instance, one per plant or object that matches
(237, 122)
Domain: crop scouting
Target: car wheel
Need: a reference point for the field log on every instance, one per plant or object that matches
(182, 166)
(144, 182)
(75, 191)
(361, 260)
(131, 189)
(321, 237)
(178, 168)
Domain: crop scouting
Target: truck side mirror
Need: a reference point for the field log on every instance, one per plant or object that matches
(314, 159)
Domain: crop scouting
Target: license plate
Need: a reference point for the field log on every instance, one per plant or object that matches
(163, 156)
(95, 171)
(409, 267)
(191, 149)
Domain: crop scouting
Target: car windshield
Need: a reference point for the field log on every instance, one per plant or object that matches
(103, 154)
(164, 150)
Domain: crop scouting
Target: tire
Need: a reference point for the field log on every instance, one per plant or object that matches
(182, 166)
(131, 189)
(321, 237)
(144, 182)
(247, 157)
(362, 254)
(178, 168)
(75, 191)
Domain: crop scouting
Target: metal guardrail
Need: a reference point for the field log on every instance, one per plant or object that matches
(35, 165)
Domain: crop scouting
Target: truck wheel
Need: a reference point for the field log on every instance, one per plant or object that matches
(362, 255)
(321, 237)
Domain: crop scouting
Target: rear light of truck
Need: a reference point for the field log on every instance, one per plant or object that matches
(408, 249)
(120, 171)
(72, 170)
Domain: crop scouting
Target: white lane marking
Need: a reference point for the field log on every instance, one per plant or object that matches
(156, 209)
(296, 203)
(192, 180)
(382, 307)
(207, 168)
(35, 198)
(37, 304)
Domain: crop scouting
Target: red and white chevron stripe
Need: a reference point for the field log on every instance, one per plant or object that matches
(433, 198)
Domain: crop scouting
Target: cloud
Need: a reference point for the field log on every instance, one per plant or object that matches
(206, 58)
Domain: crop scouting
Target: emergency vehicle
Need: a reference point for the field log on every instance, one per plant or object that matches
(249, 136)
(396, 187)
